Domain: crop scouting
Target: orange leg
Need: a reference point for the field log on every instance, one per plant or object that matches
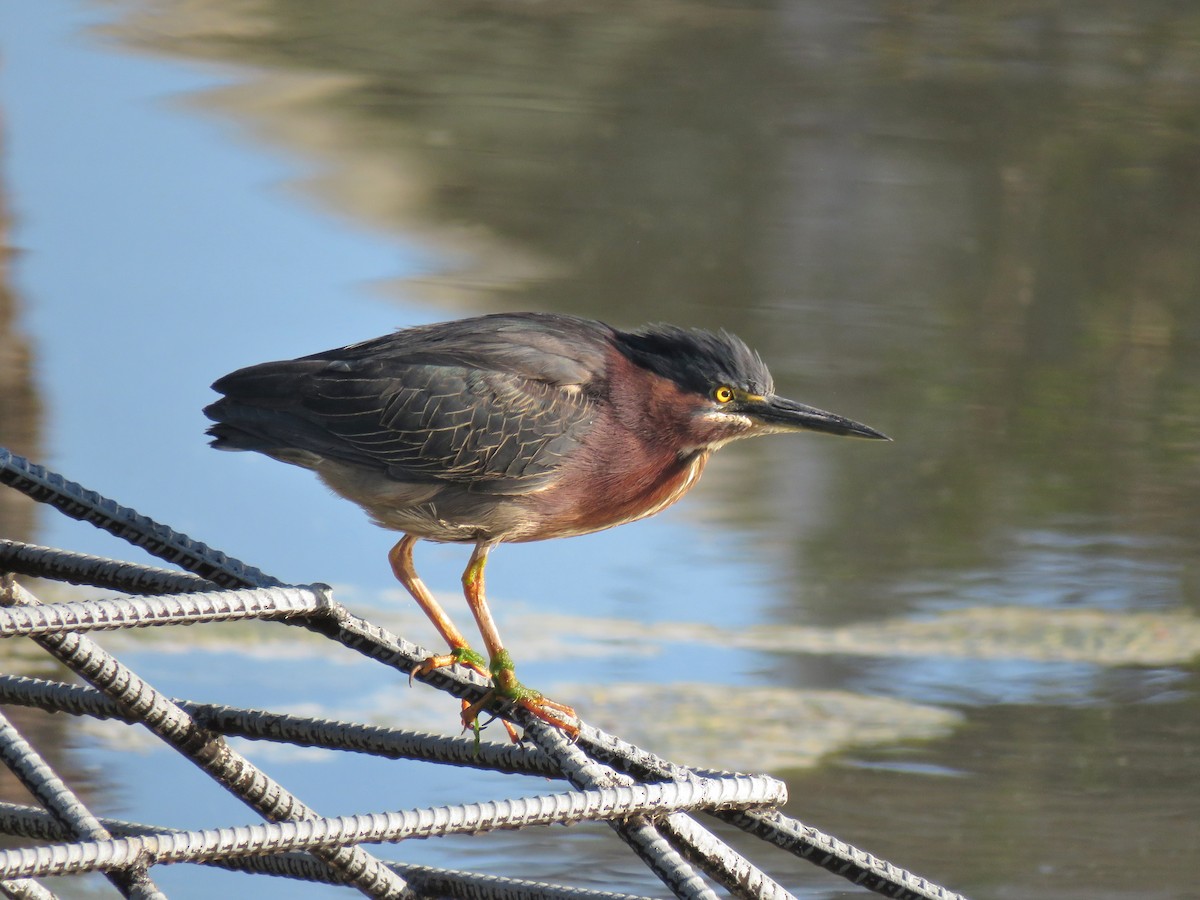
(503, 675)
(401, 558)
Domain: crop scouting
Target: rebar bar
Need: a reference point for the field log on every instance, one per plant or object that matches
(96, 571)
(26, 821)
(40, 779)
(175, 609)
(646, 799)
(77, 502)
(208, 751)
(324, 833)
(303, 731)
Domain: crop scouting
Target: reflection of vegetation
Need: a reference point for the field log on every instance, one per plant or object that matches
(978, 222)
(1073, 327)
(1025, 818)
(1010, 633)
(20, 409)
(610, 142)
(779, 728)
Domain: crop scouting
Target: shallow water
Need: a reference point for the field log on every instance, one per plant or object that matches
(971, 651)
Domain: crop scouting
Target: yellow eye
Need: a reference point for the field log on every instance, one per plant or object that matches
(723, 394)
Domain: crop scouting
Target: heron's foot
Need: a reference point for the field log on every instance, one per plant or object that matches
(506, 685)
(474, 725)
(464, 656)
(553, 713)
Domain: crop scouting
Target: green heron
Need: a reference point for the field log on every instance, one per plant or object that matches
(505, 428)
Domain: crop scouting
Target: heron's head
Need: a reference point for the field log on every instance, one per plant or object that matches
(728, 391)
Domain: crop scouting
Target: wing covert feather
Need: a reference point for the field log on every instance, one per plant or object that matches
(497, 412)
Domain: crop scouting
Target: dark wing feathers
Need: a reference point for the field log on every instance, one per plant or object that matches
(496, 410)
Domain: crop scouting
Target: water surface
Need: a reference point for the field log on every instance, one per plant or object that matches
(973, 229)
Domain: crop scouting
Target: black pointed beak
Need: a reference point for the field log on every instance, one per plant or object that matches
(788, 415)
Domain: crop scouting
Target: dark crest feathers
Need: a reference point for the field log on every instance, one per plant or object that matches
(695, 359)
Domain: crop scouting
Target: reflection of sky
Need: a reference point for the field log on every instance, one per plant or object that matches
(132, 216)
(1066, 568)
(976, 682)
(1059, 568)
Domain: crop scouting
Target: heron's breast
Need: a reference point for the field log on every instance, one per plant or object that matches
(624, 489)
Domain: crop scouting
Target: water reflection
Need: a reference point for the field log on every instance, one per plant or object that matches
(973, 228)
(21, 430)
(20, 406)
(1064, 802)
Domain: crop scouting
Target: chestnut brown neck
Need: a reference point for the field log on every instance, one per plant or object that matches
(634, 470)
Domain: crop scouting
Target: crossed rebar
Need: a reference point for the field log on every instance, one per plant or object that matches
(645, 799)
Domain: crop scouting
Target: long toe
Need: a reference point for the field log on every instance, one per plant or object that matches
(549, 711)
(553, 713)
(459, 655)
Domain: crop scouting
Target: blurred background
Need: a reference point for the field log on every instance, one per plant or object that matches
(975, 227)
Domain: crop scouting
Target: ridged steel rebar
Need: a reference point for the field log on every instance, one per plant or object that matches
(40, 779)
(640, 834)
(303, 731)
(784, 832)
(27, 821)
(809, 844)
(208, 751)
(804, 841)
(724, 864)
(836, 856)
(790, 835)
(474, 886)
(25, 889)
(77, 502)
(692, 842)
(378, 644)
(96, 571)
(382, 646)
(315, 834)
(174, 609)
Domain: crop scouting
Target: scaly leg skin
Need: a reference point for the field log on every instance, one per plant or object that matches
(401, 558)
(504, 677)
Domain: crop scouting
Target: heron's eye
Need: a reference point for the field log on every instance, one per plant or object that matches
(723, 394)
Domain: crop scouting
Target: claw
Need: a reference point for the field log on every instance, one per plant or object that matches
(471, 722)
